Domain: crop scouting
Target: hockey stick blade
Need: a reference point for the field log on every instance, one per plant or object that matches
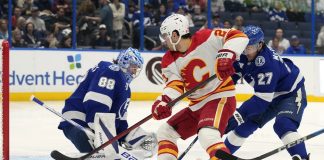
(226, 156)
(122, 134)
(59, 156)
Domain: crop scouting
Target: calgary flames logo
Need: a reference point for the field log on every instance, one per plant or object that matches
(194, 73)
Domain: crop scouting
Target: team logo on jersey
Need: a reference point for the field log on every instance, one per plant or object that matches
(153, 71)
(75, 61)
(114, 67)
(260, 61)
(123, 108)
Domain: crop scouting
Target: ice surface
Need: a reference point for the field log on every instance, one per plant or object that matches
(34, 133)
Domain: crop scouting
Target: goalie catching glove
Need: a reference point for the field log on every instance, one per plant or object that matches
(141, 141)
(224, 63)
(160, 110)
(138, 142)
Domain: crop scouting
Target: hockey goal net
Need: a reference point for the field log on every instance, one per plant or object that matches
(4, 109)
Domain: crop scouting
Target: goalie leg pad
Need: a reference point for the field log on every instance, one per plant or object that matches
(167, 138)
(78, 138)
(104, 127)
(210, 139)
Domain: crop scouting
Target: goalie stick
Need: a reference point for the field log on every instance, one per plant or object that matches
(39, 102)
(61, 156)
(124, 154)
(226, 156)
(188, 148)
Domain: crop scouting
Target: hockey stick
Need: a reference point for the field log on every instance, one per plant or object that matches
(226, 156)
(123, 154)
(188, 148)
(39, 102)
(61, 156)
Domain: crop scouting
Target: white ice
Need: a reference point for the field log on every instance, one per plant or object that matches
(34, 133)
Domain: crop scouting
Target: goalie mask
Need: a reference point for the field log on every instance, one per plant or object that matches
(130, 62)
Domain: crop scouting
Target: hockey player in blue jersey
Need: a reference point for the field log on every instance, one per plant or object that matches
(279, 93)
(100, 104)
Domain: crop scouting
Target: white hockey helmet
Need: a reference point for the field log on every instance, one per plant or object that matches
(175, 22)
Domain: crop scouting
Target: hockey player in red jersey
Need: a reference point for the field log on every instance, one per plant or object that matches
(190, 60)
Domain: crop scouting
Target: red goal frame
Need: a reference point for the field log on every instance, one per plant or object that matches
(5, 100)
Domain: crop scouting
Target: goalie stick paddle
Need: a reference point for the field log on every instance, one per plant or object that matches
(188, 148)
(226, 156)
(61, 156)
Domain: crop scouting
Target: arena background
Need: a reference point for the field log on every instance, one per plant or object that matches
(67, 39)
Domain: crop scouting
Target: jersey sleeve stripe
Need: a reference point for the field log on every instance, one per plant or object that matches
(226, 85)
(265, 96)
(177, 85)
(172, 93)
(180, 90)
(175, 82)
(293, 87)
(75, 115)
(98, 97)
(234, 34)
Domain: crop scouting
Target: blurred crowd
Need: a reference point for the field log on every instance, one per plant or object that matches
(115, 24)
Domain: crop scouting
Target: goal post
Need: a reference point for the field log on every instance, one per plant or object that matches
(4, 99)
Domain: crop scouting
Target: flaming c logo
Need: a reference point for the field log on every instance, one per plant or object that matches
(188, 73)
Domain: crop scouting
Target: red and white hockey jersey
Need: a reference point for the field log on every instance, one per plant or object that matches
(183, 71)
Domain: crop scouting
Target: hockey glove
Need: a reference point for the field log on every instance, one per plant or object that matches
(160, 110)
(224, 63)
(236, 120)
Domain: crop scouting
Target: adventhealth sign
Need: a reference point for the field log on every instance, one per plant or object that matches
(51, 71)
(56, 77)
(54, 74)
(61, 78)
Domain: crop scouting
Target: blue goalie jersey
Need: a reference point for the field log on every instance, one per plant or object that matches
(272, 77)
(103, 89)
